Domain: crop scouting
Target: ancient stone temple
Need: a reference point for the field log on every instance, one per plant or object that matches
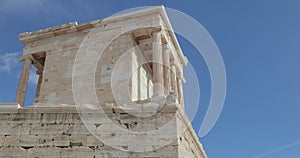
(106, 88)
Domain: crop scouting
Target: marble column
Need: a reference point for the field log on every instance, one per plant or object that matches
(23, 82)
(174, 81)
(167, 72)
(180, 92)
(158, 87)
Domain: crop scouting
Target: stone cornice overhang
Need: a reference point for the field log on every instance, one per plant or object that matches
(28, 37)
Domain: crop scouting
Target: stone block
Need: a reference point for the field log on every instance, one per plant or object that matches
(28, 140)
(62, 118)
(77, 152)
(2, 140)
(93, 141)
(61, 140)
(54, 129)
(44, 152)
(107, 152)
(12, 152)
(45, 140)
(4, 118)
(11, 140)
(79, 128)
(14, 129)
(48, 118)
(78, 140)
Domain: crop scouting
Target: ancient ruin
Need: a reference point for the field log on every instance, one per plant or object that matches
(106, 88)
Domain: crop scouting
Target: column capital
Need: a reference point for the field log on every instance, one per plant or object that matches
(156, 29)
(28, 56)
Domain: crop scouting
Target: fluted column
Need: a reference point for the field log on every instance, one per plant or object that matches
(23, 82)
(180, 92)
(167, 72)
(174, 80)
(158, 89)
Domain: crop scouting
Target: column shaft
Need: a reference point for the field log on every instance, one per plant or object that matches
(180, 92)
(157, 65)
(174, 81)
(167, 78)
(23, 82)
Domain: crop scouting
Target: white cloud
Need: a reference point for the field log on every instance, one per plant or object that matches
(33, 77)
(8, 61)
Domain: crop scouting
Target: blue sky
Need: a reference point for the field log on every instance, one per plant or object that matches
(260, 44)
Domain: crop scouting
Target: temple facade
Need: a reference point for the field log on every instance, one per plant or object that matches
(106, 88)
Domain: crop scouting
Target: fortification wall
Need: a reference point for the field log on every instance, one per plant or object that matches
(62, 132)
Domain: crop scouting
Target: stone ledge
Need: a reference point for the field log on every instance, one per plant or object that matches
(9, 108)
(104, 108)
(190, 129)
(74, 26)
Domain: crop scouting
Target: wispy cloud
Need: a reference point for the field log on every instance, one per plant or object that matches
(277, 149)
(33, 77)
(8, 61)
